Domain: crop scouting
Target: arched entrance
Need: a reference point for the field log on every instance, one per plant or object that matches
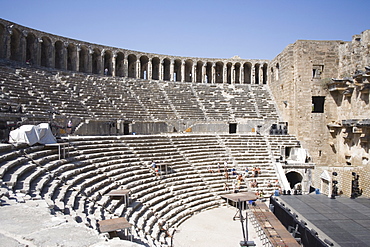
(293, 178)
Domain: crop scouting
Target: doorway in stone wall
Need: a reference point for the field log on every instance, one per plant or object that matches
(126, 129)
(232, 128)
(293, 178)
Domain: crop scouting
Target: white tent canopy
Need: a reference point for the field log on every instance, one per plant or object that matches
(32, 134)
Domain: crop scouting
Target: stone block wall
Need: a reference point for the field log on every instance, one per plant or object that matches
(299, 77)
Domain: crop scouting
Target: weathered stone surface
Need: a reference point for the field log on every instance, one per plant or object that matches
(31, 224)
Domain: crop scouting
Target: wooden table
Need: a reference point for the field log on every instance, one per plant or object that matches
(119, 194)
(61, 148)
(112, 225)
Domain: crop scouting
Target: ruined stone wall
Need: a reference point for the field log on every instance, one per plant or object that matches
(354, 55)
(302, 72)
(296, 86)
(304, 67)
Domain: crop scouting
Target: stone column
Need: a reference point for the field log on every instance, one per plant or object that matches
(183, 71)
(161, 70)
(23, 43)
(213, 74)
(224, 72)
(233, 74)
(100, 67)
(253, 81)
(64, 56)
(149, 75)
(89, 60)
(138, 69)
(7, 41)
(172, 65)
(204, 73)
(241, 75)
(114, 64)
(194, 73)
(125, 66)
(78, 49)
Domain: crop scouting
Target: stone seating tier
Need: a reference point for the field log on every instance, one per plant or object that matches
(77, 185)
(97, 97)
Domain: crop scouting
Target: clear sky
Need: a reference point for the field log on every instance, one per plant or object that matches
(251, 29)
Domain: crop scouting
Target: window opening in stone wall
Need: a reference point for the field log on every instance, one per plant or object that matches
(318, 104)
(317, 71)
(277, 72)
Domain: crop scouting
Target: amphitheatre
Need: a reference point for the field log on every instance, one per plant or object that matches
(149, 141)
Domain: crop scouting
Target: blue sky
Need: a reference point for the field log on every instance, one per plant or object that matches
(195, 28)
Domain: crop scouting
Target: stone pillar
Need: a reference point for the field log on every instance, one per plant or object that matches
(78, 49)
(150, 70)
(224, 72)
(7, 40)
(182, 71)
(65, 55)
(23, 48)
(204, 73)
(241, 75)
(172, 65)
(194, 73)
(253, 81)
(114, 56)
(89, 61)
(161, 70)
(125, 66)
(233, 74)
(213, 73)
(138, 69)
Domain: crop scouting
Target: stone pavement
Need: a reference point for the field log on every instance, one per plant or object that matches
(31, 224)
(215, 228)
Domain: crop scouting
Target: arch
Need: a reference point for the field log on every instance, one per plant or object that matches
(15, 45)
(257, 73)
(2, 41)
(131, 66)
(294, 178)
(155, 68)
(46, 52)
(107, 62)
(247, 69)
(166, 69)
(229, 73)
(237, 67)
(199, 71)
(120, 64)
(264, 73)
(96, 61)
(31, 48)
(58, 51)
(219, 72)
(144, 73)
(209, 67)
(188, 70)
(83, 54)
(71, 57)
(177, 70)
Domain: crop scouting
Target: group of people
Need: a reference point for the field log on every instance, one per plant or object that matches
(256, 171)
(219, 168)
(155, 168)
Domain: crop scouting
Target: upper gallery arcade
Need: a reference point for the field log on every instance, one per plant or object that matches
(21, 44)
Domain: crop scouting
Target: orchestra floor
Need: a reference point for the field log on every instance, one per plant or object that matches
(215, 228)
